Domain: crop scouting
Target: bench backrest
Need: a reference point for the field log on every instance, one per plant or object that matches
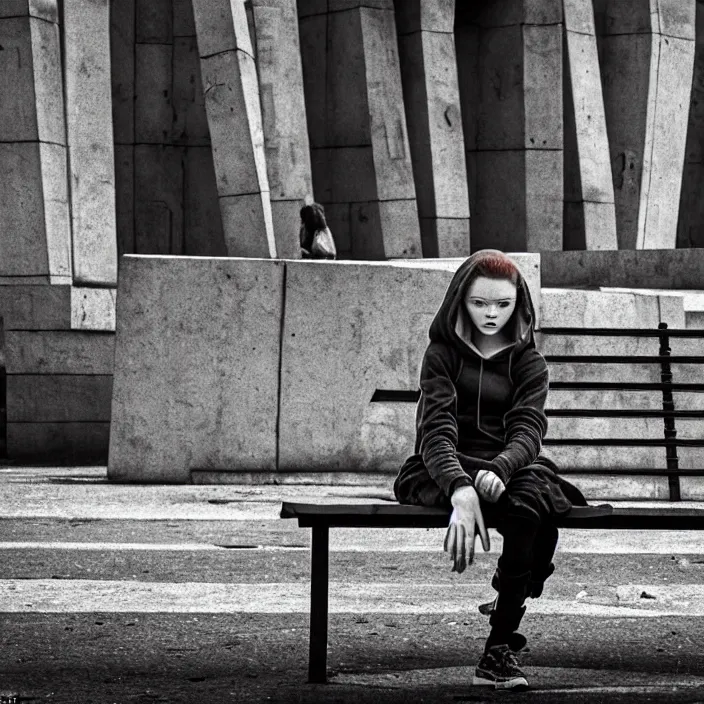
(625, 410)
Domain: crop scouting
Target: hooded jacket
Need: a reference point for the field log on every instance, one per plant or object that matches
(478, 412)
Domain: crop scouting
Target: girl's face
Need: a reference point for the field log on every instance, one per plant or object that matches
(490, 303)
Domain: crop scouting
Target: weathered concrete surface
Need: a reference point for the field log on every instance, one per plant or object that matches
(33, 190)
(58, 398)
(93, 309)
(233, 108)
(591, 222)
(189, 395)
(667, 269)
(647, 60)
(357, 345)
(58, 352)
(278, 58)
(360, 152)
(573, 308)
(90, 141)
(432, 101)
(510, 79)
(35, 307)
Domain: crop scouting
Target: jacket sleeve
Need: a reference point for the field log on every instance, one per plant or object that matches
(526, 422)
(437, 420)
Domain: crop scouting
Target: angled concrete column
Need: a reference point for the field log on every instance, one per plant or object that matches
(510, 66)
(648, 56)
(432, 101)
(278, 58)
(690, 228)
(590, 216)
(35, 235)
(234, 116)
(90, 141)
(361, 161)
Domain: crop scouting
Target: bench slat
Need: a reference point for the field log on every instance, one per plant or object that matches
(603, 516)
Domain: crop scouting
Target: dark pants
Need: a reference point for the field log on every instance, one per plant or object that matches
(525, 517)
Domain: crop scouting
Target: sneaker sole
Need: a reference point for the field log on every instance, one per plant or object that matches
(520, 683)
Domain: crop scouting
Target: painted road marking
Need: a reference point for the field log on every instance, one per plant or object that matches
(115, 596)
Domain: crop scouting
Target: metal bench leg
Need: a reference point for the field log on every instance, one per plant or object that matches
(317, 662)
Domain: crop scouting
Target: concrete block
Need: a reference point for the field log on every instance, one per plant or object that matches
(421, 15)
(579, 16)
(196, 367)
(35, 307)
(445, 237)
(46, 398)
(221, 25)
(286, 218)
(184, 24)
(203, 233)
(94, 231)
(30, 81)
(153, 109)
(190, 124)
(158, 207)
(605, 428)
(591, 345)
(467, 45)
(59, 443)
(282, 100)
(542, 87)
(690, 458)
(664, 150)
(236, 132)
(345, 91)
(543, 200)
(311, 8)
(592, 145)
(618, 487)
(667, 269)
(601, 400)
(154, 21)
(516, 12)
(499, 123)
(597, 456)
(597, 309)
(432, 100)
(248, 225)
(122, 55)
(400, 228)
(41, 9)
(313, 42)
(392, 159)
(598, 372)
(34, 210)
(124, 199)
(58, 352)
(93, 309)
(357, 345)
(672, 18)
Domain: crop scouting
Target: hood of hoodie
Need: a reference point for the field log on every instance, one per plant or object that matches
(444, 327)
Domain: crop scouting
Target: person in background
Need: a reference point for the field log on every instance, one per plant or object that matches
(316, 239)
(480, 423)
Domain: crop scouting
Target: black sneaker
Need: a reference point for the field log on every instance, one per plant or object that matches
(498, 668)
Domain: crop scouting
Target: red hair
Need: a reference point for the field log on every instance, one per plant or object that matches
(497, 266)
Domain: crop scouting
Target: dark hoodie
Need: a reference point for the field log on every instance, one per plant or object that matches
(480, 413)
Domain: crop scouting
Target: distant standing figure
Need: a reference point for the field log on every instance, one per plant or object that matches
(316, 239)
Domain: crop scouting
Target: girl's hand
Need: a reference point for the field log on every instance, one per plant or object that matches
(466, 519)
(488, 485)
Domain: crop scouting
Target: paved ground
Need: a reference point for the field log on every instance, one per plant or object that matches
(199, 593)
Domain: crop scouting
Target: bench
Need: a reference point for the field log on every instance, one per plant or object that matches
(672, 515)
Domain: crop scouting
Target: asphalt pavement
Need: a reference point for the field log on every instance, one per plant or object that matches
(129, 593)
